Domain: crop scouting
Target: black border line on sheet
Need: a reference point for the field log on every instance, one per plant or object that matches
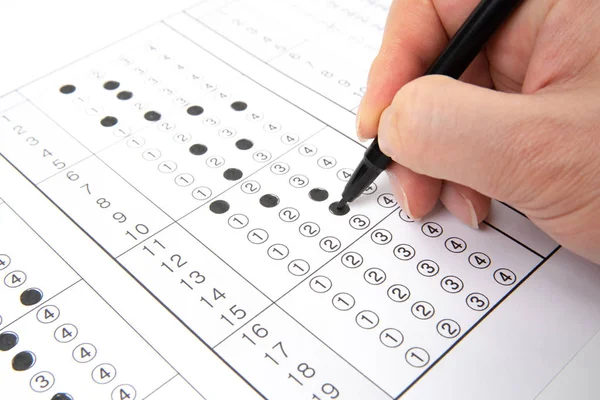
(185, 12)
(515, 240)
(445, 353)
(139, 283)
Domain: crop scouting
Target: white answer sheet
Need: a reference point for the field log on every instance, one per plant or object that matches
(166, 233)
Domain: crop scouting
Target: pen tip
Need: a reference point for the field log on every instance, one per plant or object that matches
(341, 204)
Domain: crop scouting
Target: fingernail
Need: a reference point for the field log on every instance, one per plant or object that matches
(459, 205)
(403, 197)
(358, 132)
(387, 125)
(474, 223)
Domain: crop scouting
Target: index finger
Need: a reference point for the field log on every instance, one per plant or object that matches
(416, 31)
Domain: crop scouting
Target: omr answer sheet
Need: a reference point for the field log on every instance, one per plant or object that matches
(166, 229)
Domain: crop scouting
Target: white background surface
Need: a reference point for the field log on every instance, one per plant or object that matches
(514, 353)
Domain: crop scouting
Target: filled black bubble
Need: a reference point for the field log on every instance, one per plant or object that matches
(111, 85)
(152, 116)
(195, 110)
(62, 396)
(67, 89)
(31, 296)
(233, 174)
(109, 121)
(219, 206)
(239, 105)
(333, 207)
(269, 200)
(8, 340)
(318, 194)
(23, 361)
(124, 95)
(244, 144)
(198, 149)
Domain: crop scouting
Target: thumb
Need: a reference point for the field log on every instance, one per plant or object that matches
(477, 137)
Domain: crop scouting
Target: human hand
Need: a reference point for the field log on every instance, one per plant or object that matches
(533, 142)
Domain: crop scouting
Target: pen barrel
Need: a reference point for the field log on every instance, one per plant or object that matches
(468, 41)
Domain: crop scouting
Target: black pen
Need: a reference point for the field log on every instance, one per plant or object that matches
(454, 60)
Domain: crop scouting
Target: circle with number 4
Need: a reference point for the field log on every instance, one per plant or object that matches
(455, 245)
(307, 150)
(477, 301)
(48, 314)
(505, 277)
(84, 353)
(367, 319)
(343, 301)
(480, 260)
(104, 373)
(326, 162)
(391, 337)
(65, 333)
(4, 261)
(123, 392)
(386, 200)
(344, 174)
(15, 279)
(41, 382)
(431, 229)
(320, 284)
(417, 357)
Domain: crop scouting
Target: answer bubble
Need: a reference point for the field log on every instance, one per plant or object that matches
(239, 105)
(31, 296)
(23, 361)
(269, 200)
(233, 174)
(318, 194)
(124, 95)
(195, 110)
(8, 340)
(198, 149)
(62, 396)
(244, 144)
(111, 85)
(109, 121)
(219, 206)
(67, 89)
(152, 116)
(333, 207)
